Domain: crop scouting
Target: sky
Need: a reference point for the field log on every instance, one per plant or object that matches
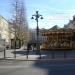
(54, 12)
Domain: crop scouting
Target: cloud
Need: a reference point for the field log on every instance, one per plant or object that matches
(52, 15)
(71, 13)
(68, 13)
(59, 18)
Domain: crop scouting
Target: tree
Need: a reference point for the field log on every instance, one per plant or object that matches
(20, 24)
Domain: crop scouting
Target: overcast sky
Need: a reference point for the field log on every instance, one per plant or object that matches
(55, 12)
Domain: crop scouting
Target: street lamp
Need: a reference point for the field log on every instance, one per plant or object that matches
(37, 16)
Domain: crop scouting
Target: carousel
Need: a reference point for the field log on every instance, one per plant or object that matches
(58, 39)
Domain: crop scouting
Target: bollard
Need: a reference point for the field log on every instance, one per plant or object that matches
(4, 53)
(40, 56)
(15, 53)
(27, 56)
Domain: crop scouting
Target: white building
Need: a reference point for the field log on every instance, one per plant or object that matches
(71, 23)
(41, 38)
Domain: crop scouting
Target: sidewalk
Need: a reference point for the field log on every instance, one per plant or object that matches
(45, 55)
(21, 55)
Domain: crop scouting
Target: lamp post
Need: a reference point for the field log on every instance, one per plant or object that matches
(37, 17)
(14, 23)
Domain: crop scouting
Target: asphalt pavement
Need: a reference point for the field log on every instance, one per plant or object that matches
(54, 67)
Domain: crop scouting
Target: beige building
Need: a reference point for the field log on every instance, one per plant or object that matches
(4, 29)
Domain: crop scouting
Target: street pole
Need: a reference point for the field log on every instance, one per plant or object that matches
(15, 46)
(37, 30)
(37, 16)
(14, 40)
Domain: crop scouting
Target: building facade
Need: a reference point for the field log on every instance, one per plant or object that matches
(71, 23)
(4, 29)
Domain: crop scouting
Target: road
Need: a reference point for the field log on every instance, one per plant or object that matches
(54, 67)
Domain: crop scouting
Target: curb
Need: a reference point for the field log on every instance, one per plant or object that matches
(17, 59)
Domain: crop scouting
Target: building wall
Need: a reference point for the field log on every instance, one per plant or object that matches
(4, 29)
(41, 38)
(71, 23)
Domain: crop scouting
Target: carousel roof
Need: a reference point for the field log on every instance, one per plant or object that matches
(61, 31)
